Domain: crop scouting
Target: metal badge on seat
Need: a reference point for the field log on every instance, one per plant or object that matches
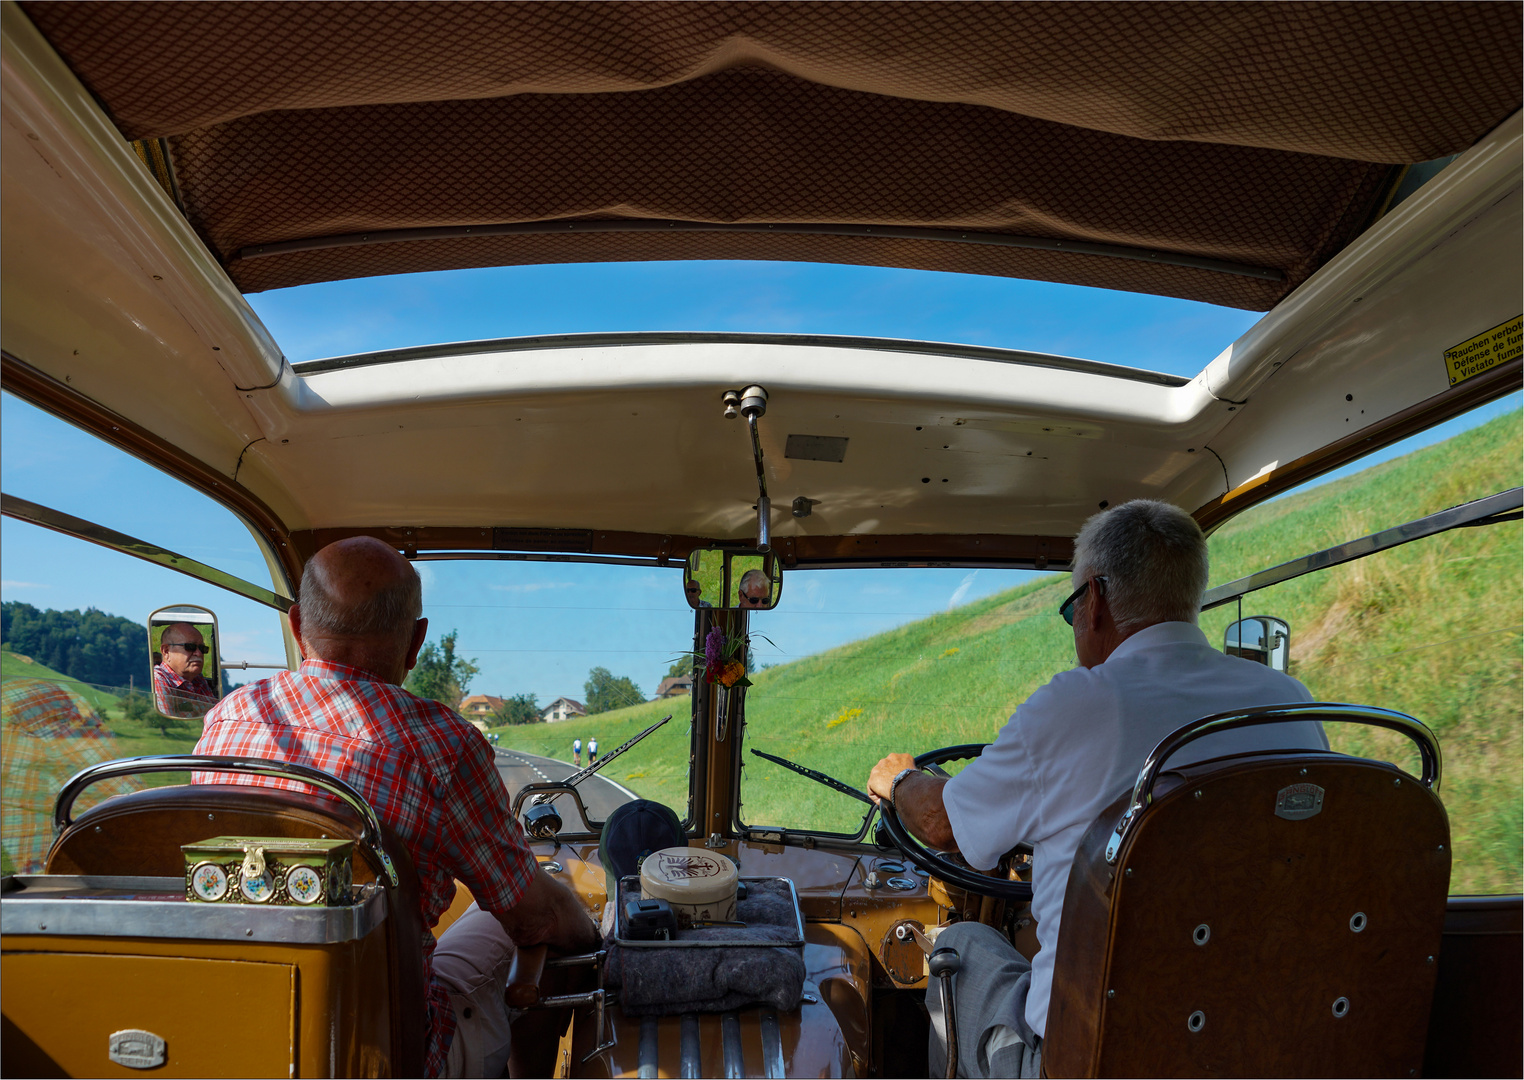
(136, 1049)
(1297, 802)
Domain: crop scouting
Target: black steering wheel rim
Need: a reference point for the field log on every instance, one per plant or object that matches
(937, 865)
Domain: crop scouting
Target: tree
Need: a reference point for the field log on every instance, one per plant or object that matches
(135, 707)
(440, 675)
(519, 709)
(606, 691)
(684, 666)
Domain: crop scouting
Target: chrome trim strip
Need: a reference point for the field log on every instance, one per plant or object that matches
(1143, 790)
(523, 556)
(51, 915)
(650, 1053)
(692, 337)
(1479, 512)
(691, 1066)
(890, 232)
(772, 1046)
(730, 1040)
(35, 514)
(282, 770)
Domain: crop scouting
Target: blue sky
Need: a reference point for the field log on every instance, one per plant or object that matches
(539, 628)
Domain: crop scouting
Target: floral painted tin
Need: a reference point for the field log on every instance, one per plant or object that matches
(276, 870)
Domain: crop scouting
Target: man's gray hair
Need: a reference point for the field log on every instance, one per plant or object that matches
(1153, 557)
(391, 610)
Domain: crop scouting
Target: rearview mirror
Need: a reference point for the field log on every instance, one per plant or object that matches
(186, 673)
(1263, 639)
(713, 577)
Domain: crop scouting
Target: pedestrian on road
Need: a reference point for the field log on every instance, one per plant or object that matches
(592, 751)
(577, 752)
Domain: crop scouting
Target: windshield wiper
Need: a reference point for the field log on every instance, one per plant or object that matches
(577, 777)
(819, 778)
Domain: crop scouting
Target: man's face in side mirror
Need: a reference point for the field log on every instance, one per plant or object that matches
(184, 650)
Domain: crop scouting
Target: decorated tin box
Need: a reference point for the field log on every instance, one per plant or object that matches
(699, 884)
(268, 870)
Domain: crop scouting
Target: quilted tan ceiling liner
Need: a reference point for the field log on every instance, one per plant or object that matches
(1250, 133)
(1383, 82)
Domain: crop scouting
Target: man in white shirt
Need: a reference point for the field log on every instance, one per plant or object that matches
(1072, 748)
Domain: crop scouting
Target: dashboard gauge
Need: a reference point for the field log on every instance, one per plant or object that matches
(304, 885)
(209, 882)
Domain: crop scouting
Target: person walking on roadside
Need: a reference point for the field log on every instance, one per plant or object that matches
(577, 752)
(592, 751)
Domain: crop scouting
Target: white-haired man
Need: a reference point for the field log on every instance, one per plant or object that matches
(1145, 668)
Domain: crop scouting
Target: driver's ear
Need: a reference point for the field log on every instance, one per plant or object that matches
(1096, 606)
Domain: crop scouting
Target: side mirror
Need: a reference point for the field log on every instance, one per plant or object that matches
(1263, 639)
(713, 577)
(187, 672)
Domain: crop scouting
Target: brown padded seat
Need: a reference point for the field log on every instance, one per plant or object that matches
(1223, 941)
(141, 834)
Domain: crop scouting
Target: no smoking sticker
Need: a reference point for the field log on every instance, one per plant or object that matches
(1486, 351)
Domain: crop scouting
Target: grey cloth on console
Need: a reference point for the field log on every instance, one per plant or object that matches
(660, 981)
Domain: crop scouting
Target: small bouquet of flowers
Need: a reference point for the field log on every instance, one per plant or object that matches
(725, 659)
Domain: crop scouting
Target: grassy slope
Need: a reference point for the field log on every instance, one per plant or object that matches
(135, 738)
(1432, 629)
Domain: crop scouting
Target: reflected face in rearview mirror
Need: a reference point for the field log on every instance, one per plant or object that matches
(713, 577)
(183, 642)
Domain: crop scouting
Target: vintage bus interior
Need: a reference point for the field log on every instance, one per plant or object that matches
(1352, 171)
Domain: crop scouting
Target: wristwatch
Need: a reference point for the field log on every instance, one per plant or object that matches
(895, 783)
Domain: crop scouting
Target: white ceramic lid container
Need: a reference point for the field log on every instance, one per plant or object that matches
(699, 884)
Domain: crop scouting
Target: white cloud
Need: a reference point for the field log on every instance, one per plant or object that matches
(962, 590)
(8, 584)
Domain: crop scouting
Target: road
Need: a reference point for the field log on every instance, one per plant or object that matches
(600, 796)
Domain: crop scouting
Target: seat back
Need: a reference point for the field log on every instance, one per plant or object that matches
(140, 834)
(1273, 914)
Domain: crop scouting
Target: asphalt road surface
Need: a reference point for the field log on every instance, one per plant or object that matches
(600, 796)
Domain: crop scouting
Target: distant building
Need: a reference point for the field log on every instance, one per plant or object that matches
(482, 705)
(563, 708)
(479, 725)
(674, 685)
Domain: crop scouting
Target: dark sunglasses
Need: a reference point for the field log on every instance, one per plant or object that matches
(190, 648)
(1066, 609)
(754, 601)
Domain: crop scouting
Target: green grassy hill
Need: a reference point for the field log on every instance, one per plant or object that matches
(136, 737)
(1431, 629)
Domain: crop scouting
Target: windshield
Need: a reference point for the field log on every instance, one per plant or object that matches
(557, 662)
(927, 658)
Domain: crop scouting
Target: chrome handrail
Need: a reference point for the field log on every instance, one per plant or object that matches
(1142, 792)
(285, 770)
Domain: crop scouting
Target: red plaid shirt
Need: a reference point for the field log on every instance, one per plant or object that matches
(181, 695)
(428, 774)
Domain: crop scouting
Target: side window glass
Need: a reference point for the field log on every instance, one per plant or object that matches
(75, 661)
(1430, 628)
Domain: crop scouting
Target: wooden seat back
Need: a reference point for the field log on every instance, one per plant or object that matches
(1301, 947)
(141, 833)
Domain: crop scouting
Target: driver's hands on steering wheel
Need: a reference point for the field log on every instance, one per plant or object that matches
(883, 774)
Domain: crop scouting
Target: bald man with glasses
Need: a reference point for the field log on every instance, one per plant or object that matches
(179, 687)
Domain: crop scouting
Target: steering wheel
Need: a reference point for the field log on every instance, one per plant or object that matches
(936, 863)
